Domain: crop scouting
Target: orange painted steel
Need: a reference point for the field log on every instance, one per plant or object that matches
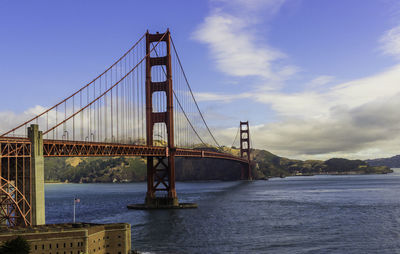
(245, 148)
(15, 184)
(159, 171)
(14, 147)
(60, 148)
(15, 208)
(193, 153)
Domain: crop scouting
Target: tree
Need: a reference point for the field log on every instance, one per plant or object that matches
(18, 245)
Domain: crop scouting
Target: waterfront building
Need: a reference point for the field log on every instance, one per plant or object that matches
(74, 238)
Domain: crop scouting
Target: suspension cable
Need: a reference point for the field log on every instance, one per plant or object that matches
(183, 111)
(237, 134)
(61, 102)
(190, 89)
(110, 89)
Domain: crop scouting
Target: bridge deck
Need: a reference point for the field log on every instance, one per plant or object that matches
(20, 147)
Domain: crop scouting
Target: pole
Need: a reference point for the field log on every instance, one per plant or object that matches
(74, 209)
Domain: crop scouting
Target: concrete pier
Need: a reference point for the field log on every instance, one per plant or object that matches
(160, 205)
(37, 176)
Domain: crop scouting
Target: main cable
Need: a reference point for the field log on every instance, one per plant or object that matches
(237, 134)
(183, 111)
(190, 89)
(81, 89)
(104, 93)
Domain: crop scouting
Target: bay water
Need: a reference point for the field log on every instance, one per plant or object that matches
(304, 214)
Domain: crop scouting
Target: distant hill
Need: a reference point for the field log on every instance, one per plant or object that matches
(268, 165)
(392, 162)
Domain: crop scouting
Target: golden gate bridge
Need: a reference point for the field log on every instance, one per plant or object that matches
(142, 105)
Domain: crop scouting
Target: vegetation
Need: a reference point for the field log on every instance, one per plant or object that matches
(392, 162)
(264, 165)
(125, 169)
(17, 245)
(268, 165)
(88, 170)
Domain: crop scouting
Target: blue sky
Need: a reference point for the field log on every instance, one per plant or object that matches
(315, 78)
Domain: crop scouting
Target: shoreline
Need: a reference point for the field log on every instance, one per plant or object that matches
(336, 173)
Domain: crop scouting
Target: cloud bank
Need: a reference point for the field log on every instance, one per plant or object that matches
(236, 47)
(391, 42)
(354, 119)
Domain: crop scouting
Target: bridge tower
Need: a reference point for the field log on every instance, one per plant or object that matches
(245, 149)
(36, 194)
(160, 170)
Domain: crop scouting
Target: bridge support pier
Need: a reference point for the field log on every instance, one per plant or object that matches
(37, 176)
(161, 177)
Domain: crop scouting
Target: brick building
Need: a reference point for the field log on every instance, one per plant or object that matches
(75, 238)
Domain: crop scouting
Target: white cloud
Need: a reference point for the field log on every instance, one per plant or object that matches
(252, 11)
(320, 81)
(312, 103)
(235, 47)
(10, 119)
(368, 131)
(391, 42)
(356, 119)
(220, 97)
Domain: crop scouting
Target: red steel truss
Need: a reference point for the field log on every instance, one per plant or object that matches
(15, 184)
(20, 147)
